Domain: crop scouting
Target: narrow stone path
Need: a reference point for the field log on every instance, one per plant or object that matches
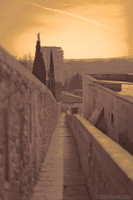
(61, 176)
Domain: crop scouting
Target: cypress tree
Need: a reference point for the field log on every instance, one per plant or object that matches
(51, 80)
(39, 69)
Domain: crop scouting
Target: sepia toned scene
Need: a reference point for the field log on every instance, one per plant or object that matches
(66, 99)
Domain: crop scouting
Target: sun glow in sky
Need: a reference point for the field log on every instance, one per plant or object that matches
(83, 28)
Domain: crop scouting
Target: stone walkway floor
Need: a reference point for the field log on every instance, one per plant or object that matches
(61, 176)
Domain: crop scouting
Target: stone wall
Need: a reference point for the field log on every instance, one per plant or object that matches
(28, 116)
(117, 112)
(107, 167)
(127, 77)
(113, 77)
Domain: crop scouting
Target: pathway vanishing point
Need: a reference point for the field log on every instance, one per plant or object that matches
(61, 176)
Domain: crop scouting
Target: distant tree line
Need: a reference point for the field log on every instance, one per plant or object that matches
(26, 60)
(74, 83)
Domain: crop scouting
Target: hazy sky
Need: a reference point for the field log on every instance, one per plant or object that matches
(83, 28)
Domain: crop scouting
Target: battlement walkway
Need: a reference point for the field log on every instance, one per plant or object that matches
(61, 176)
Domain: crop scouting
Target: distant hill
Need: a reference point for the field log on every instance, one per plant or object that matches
(97, 59)
(86, 66)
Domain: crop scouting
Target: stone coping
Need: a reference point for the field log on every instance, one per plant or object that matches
(120, 156)
(72, 95)
(107, 81)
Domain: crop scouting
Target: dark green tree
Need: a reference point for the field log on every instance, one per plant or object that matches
(75, 82)
(51, 80)
(39, 69)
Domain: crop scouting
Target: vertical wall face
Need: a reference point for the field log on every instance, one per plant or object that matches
(107, 167)
(88, 97)
(58, 64)
(117, 112)
(28, 116)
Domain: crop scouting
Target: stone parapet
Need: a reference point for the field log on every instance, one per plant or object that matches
(108, 168)
(115, 119)
(28, 116)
